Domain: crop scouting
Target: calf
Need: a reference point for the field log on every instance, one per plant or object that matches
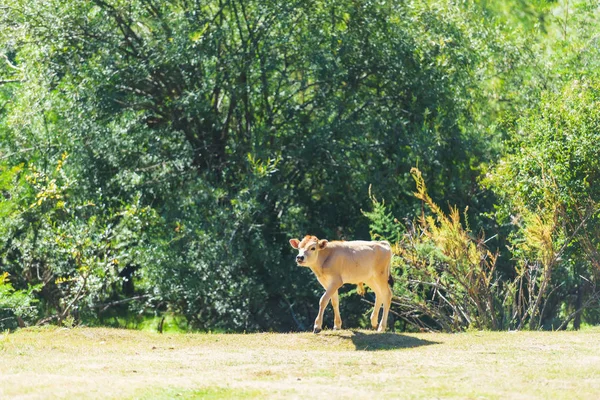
(335, 263)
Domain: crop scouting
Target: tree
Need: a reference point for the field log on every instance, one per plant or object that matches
(200, 135)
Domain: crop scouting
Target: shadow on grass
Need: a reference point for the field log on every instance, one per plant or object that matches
(385, 341)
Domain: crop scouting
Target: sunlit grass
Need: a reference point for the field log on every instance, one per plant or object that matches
(114, 363)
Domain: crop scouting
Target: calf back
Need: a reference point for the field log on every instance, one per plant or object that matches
(354, 261)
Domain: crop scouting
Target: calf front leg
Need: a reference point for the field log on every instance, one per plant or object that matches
(322, 304)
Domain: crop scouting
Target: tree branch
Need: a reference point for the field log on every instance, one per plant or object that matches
(4, 82)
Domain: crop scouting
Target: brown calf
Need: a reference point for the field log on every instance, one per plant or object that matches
(335, 263)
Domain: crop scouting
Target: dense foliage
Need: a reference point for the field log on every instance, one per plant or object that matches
(155, 156)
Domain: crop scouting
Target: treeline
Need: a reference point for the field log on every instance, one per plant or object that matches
(156, 156)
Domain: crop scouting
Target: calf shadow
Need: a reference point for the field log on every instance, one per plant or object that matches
(385, 341)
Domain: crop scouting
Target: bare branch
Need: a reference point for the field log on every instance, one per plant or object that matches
(114, 303)
(4, 82)
(10, 64)
(594, 298)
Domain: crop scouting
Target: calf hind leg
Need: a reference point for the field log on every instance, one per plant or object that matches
(376, 308)
(387, 302)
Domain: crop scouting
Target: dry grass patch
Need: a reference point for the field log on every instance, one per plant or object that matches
(111, 363)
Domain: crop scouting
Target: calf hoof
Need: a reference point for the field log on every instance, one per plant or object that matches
(316, 330)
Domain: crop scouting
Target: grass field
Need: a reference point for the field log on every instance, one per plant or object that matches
(111, 363)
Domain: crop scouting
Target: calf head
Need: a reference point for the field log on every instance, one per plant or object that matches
(308, 249)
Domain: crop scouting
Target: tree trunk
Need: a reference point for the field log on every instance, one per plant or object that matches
(578, 306)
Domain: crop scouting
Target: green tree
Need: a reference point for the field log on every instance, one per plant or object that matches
(225, 127)
(547, 190)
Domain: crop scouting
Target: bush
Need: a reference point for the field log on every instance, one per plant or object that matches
(447, 279)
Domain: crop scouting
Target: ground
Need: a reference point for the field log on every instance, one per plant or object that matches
(125, 364)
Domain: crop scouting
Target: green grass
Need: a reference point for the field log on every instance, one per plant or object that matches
(113, 363)
(171, 323)
(209, 393)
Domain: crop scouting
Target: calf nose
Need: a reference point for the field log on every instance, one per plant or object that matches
(299, 258)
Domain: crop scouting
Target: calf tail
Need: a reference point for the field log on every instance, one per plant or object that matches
(389, 271)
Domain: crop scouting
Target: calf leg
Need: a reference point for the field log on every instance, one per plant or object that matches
(376, 308)
(387, 302)
(322, 304)
(335, 302)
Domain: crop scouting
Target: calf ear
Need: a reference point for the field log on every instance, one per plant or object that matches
(322, 243)
(294, 243)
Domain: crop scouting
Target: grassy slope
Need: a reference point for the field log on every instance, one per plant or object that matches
(110, 363)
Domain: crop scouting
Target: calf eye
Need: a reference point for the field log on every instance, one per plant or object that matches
(313, 249)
